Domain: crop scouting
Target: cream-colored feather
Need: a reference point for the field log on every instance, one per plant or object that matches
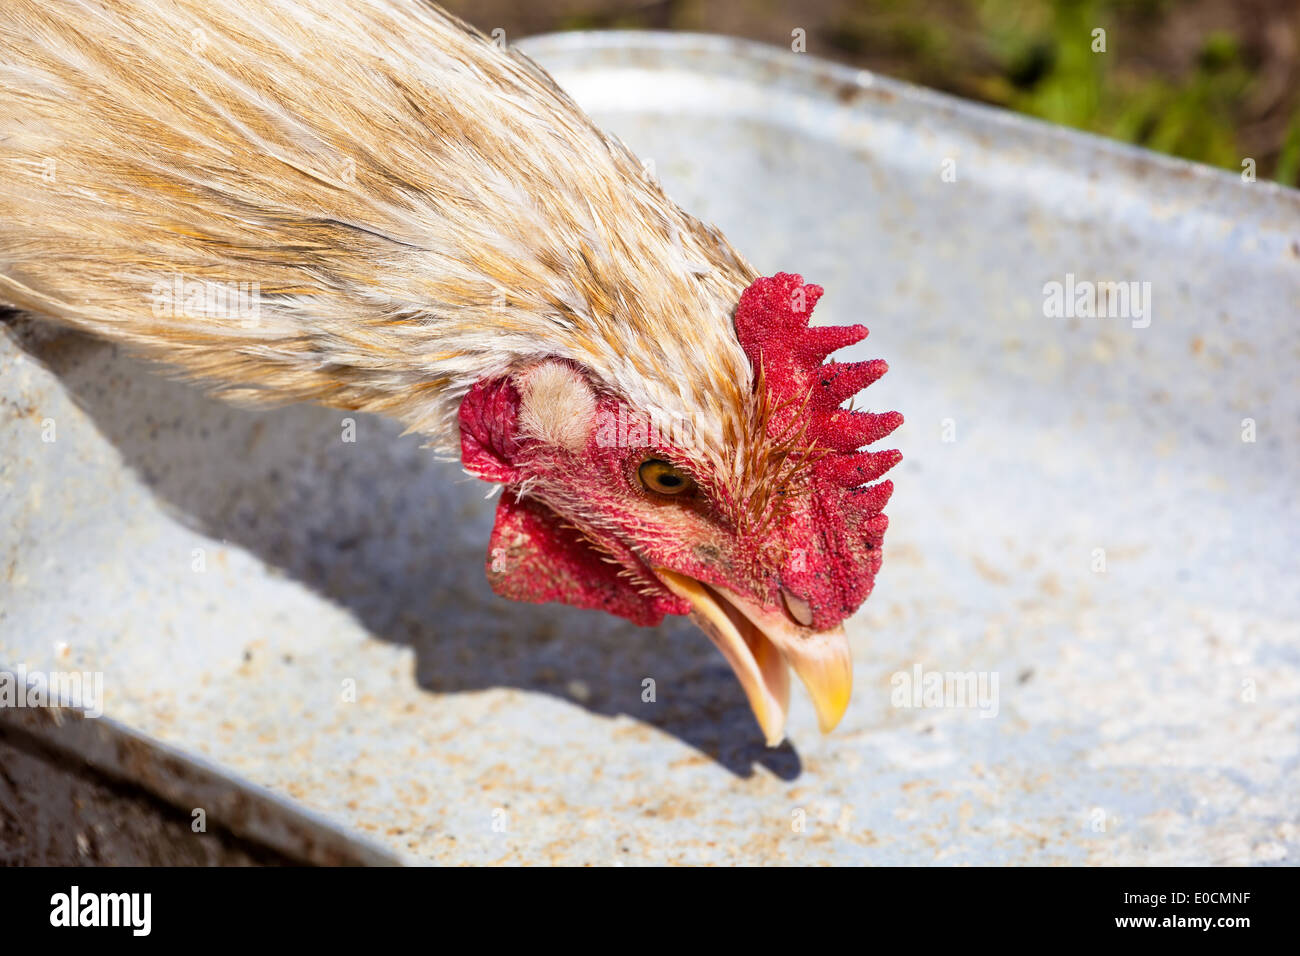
(362, 203)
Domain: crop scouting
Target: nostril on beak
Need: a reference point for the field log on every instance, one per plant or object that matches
(798, 607)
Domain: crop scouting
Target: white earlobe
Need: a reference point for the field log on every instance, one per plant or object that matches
(557, 406)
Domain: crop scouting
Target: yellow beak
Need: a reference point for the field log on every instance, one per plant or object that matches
(761, 646)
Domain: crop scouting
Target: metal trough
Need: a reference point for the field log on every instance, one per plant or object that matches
(1096, 520)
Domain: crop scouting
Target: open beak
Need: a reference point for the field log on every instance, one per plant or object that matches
(761, 646)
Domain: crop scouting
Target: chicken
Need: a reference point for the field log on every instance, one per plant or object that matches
(369, 205)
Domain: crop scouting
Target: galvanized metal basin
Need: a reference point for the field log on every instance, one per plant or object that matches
(1083, 524)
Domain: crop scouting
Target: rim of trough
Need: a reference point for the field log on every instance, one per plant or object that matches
(857, 89)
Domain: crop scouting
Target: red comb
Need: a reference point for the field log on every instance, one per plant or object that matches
(772, 326)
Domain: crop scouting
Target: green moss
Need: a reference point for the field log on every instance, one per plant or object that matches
(1288, 164)
(1050, 65)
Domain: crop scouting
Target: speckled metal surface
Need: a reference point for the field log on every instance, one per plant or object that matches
(88, 790)
(1078, 517)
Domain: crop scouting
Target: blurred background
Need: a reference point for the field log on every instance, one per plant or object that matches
(1217, 81)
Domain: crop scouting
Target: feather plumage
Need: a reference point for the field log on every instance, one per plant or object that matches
(401, 206)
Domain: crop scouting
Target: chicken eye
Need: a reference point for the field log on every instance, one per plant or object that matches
(662, 478)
